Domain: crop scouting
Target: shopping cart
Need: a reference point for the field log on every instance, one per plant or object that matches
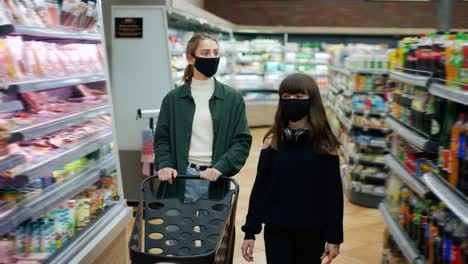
(175, 232)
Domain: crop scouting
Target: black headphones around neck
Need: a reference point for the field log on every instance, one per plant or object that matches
(299, 135)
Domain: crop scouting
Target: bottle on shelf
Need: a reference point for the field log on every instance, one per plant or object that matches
(463, 159)
(454, 149)
(459, 236)
(438, 51)
(450, 69)
(463, 76)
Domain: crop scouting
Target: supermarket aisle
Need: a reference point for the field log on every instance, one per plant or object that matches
(363, 227)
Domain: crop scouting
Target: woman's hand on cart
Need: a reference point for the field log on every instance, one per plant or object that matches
(331, 252)
(247, 249)
(167, 174)
(210, 174)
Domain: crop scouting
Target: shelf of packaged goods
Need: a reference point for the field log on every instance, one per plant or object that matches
(360, 160)
(410, 78)
(406, 176)
(48, 33)
(411, 135)
(366, 129)
(373, 144)
(449, 93)
(341, 117)
(41, 203)
(43, 167)
(370, 200)
(11, 161)
(41, 85)
(369, 71)
(346, 154)
(453, 198)
(369, 113)
(401, 237)
(340, 70)
(11, 106)
(90, 242)
(333, 88)
(56, 123)
(345, 108)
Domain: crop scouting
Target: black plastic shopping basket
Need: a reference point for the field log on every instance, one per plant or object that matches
(174, 232)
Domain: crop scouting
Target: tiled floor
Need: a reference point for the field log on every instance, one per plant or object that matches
(363, 227)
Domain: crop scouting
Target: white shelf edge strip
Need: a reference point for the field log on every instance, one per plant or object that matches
(110, 224)
(10, 106)
(61, 122)
(39, 85)
(403, 174)
(458, 206)
(409, 78)
(51, 197)
(11, 161)
(53, 33)
(451, 94)
(401, 238)
(407, 133)
(69, 155)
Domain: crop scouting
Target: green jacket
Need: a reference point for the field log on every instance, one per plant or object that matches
(232, 139)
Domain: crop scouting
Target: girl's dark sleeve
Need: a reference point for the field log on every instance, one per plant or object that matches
(253, 223)
(334, 221)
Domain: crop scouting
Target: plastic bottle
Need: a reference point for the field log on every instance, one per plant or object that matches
(451, 72)
(455, 137)
(438, 55)
(463, 75)
(460, 234)
(457, 58)
(463, 159)
(452, 225)
(433, 233)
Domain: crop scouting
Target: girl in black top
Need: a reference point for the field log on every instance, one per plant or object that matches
(297, 192)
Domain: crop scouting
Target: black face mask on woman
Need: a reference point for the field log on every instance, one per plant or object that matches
(207, 66)
(295, 109)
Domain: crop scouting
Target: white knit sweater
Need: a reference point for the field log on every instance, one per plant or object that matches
(201, 143)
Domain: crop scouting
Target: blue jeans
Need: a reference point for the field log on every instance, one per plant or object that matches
(195, 189)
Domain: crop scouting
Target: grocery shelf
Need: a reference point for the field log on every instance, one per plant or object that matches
(37, 205)
(333, 88)
(369, 71)
(340, 70)
(60, 122)
(369, 92)
(371, 200)
(48, 33)
(367, 129)
(360, 160)
(401, 238)
(455, 200)
(369, 113)
(11, 106)
(86, 147)
(41, 85)
(410, 78)
(346, 155)
(406, 176)
(11, 161)
(411, 135)
(449, 93)
(94, 239)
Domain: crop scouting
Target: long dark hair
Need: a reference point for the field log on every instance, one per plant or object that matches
(321, 135)
(192, 46)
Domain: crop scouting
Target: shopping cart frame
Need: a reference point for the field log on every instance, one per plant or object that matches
(224, 250)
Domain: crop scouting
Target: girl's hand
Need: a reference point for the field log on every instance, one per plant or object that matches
(210, 174)
(167, 174)
(247, 249)
(331, 252)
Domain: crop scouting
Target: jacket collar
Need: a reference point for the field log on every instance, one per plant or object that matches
(219, 91)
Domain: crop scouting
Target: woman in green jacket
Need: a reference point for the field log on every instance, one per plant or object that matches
(202, 127)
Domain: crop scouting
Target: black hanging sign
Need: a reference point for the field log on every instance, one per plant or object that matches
(129, 27)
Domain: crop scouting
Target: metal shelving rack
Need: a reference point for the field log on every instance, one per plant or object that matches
(90, 243)
(401, 238)
(429, 184)
(356, 196)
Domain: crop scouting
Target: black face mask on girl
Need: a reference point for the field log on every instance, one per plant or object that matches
(295, 109)
(207, 66)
